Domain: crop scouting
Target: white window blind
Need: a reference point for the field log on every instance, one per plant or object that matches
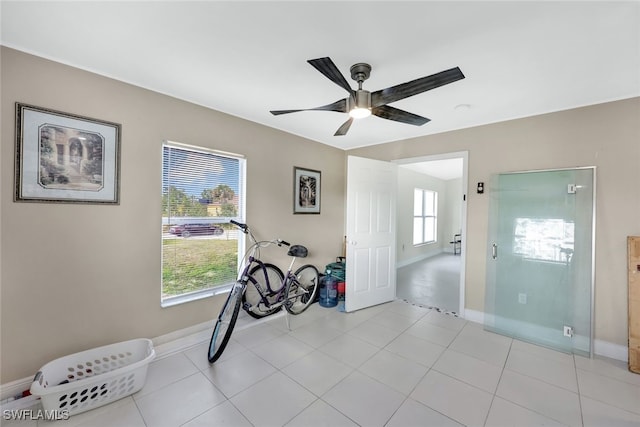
(425, 221)
(201, 191)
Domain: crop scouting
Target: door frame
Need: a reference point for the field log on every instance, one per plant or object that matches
(465, 187)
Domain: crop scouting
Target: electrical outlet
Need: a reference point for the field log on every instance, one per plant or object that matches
(522, 298)
(568, 331)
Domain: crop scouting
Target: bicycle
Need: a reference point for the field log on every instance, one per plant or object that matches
(296, 291)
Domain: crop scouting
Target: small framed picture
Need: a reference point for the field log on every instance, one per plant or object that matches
(306, 191)
(65, 158)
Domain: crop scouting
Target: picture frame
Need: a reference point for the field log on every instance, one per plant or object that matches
(65, 158)
(306, 191)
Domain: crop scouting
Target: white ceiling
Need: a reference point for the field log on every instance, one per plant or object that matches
(445, 169)
(246, 58)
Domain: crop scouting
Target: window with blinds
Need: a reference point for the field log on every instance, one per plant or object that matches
(425, 220)
(201, 191)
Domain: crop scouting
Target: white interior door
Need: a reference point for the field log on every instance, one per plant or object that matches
(371, 232)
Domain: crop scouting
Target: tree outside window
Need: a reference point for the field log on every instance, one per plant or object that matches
(201, 192)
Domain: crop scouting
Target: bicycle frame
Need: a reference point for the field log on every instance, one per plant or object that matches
(294, 302)
(251, 259)
(270, 291)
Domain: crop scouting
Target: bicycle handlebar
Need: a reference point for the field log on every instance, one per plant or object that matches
(245, 229)
(241, 226)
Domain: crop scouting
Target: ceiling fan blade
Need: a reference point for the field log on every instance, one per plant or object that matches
(339, 106)
(330, 71)
(391, 113)
(414, 87)
(342, 130)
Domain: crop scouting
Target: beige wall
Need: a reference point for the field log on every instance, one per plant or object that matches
(453, 210)
(606, 136)
(79, 276)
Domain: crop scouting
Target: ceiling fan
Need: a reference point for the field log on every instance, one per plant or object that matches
(362, 103)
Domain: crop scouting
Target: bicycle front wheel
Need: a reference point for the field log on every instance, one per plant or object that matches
(253, 303)
(225, 323)
(301, 291)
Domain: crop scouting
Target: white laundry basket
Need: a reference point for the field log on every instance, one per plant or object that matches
(92, 378)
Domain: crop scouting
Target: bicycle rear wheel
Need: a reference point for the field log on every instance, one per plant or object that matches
(301, 292)
(252, 301)
(225, 323)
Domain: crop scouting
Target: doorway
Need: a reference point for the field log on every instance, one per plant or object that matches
(432, 273)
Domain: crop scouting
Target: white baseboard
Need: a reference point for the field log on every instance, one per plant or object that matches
(600, 347)
(14, 389)
(176, 341)
(474, 316)
(422, 257)
(611, 350)
(164, 345)
(179, 340)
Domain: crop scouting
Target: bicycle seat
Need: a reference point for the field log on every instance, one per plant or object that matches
(298, 251)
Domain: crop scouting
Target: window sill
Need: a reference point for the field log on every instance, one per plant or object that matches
(416, 245)
(195, 296)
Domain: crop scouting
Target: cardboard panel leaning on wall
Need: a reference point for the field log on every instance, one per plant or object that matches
(79, 276)
(633, 243)
(604, 135)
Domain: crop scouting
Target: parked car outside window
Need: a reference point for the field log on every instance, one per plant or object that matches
(186, 230)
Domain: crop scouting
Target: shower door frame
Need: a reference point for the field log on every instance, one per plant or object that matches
(593, 238)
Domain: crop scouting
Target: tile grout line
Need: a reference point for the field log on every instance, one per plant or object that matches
(539, 380)
(357, 369)
(408, 395)
(318, 397)
(432, 369)
(493, 397)
(575, 372)
(609, 378)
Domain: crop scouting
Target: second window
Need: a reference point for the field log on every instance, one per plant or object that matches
(425, 220)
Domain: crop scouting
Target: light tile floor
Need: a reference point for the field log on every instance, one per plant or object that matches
(393, 365)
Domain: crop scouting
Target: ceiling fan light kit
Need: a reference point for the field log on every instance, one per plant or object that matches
(362, 103)
(359, 104)
(359, 107)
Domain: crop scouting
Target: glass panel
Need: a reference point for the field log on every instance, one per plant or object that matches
(418, 231)
(417, 202)
(539, 271)
(429, 203)
(429, 229)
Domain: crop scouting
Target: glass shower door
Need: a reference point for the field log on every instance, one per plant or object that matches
(540, 257)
